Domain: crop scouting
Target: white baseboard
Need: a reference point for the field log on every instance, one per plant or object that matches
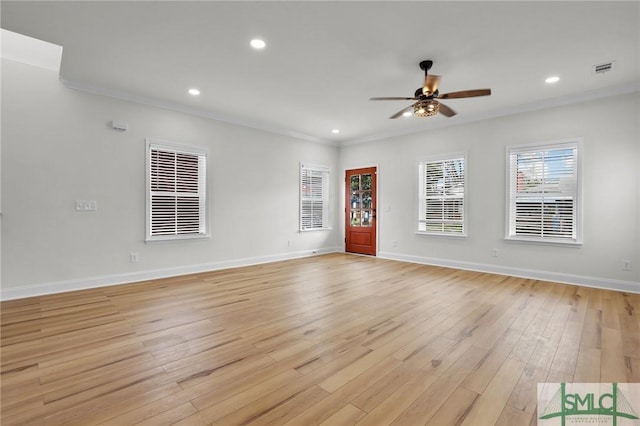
(109, 280)
(585, 281)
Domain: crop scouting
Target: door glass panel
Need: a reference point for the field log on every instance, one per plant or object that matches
(355, 217)
(361, 200)
(366, 200)
(366, 217)
(355, 182)
(366, 182)
(355, 200)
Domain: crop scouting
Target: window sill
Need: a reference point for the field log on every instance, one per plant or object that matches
(175, 239)
(441, 234)
(546, 242)
(315, 229)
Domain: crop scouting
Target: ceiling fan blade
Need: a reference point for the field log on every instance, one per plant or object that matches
(430, 84)
(402, 111)
(445, 110)
(393, 99)
(465, 94)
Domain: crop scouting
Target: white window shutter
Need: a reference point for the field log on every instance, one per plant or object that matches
(543, 193)
(177, 192)
(314, 197)
(441, 196)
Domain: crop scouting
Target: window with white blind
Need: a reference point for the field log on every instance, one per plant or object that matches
(544, 193)
(176, 191)
(441, 195)
(314, 197)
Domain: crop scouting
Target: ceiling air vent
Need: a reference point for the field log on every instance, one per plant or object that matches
(602, 68)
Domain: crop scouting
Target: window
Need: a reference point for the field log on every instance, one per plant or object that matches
(314, 197)
(441, 195)
(543, 199)
(176, 191)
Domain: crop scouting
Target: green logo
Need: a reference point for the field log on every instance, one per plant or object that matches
(564, 404)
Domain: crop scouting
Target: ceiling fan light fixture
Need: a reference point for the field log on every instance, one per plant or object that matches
(426, 108)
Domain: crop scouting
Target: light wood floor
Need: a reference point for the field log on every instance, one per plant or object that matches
(333, 340)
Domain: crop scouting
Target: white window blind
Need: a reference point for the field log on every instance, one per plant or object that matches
(176, 179)
(543, 193)
(441, 196)
(314, 197)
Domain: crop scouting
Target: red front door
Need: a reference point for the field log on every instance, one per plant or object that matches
(360, 218)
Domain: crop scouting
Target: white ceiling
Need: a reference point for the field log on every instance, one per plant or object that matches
(324, 60)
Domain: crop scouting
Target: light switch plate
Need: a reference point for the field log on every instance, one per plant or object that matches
(86, 206)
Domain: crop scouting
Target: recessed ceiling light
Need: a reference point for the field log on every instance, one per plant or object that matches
(553, 79)
(406, 114)
(335, 131)
(194, 92)
(256, 43)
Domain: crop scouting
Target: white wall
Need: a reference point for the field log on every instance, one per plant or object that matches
(58, 147)
(610, 130)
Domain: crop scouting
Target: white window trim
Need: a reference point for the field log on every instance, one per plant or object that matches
(443, 157)
(326, 202)
(176, 147)
(557, 144)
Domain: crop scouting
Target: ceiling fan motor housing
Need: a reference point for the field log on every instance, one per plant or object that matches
(426, 65)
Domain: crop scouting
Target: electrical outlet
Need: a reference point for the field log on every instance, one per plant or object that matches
(394, 243)
(289, 243)
(134, 258)
(626, 265)
(494, 253)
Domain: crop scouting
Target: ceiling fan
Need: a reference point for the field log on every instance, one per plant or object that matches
(427, 97)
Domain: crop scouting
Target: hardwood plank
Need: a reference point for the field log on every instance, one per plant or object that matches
(490, 404)
(134, 409)
(283, 411)
(567, 353)
(492, 362)
(588, 365)
(372, 397)
(331, 339)
(325, 408)
(346, 416)
(170, 416)
(239, 400)
(389, 409)
(456, 409)
(512, 417)
(437, 395)
(592, 329)
(612, 367)
(524, 397)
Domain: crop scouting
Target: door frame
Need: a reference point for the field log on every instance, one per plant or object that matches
(344, 207)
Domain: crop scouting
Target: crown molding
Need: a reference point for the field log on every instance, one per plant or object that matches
(198, 112)
(455, 121)
(504, 112)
